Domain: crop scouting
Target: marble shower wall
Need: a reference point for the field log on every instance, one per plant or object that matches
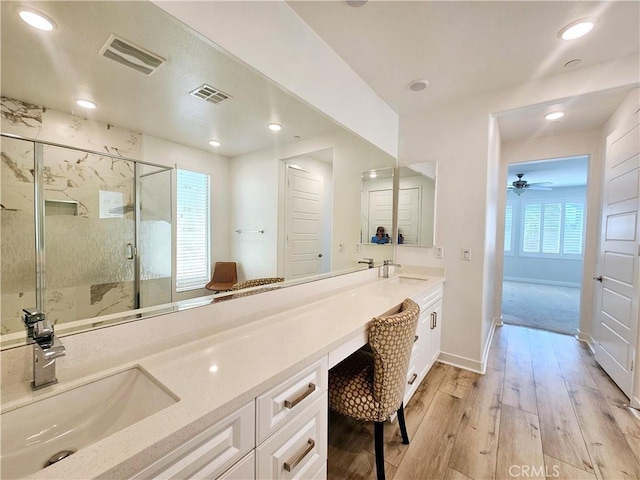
(87, 271)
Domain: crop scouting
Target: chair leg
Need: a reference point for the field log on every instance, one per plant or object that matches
(379, 447)
(403, 426)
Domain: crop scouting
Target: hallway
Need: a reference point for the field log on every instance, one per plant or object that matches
(544, 406)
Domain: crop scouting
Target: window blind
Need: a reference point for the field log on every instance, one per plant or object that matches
(508, 223)
(193, 261)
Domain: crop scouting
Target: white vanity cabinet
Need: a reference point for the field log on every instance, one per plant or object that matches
(426, 347)
(211, 452)
(282, 434)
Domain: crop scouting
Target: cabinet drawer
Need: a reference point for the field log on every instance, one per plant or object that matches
(425, 299)
(299, 449)
(280, 404)
(209, 453)
(245, 469)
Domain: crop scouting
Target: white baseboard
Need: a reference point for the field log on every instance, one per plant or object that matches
(542, 282)
(461, 362)
(469, 363)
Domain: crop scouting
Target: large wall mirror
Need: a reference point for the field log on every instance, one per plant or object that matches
(416, 204)
(104, 211)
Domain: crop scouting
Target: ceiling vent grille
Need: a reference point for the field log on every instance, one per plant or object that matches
(210, 94)
(130, 55)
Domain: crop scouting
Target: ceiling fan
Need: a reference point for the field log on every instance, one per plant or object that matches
(520, 186)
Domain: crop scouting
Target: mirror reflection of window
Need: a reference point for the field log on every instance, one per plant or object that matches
(193, 258)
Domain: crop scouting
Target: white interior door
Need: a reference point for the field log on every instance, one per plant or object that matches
(380, 211)
(618, 295)
(303, 251)
(409, 200)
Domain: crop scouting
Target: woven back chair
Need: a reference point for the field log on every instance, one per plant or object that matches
(369, 385)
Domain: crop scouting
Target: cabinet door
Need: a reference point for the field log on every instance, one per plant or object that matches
(245, 469)
(436, 333)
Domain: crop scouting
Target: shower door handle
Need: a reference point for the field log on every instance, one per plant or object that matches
(131, 251)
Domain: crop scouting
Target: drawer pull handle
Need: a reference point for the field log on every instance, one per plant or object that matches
(415, 339)
(413, 378)
(433, 320)
(293, 403)
(310, 444)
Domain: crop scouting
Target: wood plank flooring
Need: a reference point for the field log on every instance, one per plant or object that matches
(545, 409)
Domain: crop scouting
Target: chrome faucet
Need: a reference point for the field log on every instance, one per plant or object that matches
(368, 261)
(385, 267)
(46, 348)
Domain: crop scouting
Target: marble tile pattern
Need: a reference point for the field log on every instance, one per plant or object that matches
(83, 252)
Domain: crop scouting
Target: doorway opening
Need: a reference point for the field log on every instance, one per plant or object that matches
(544, 243)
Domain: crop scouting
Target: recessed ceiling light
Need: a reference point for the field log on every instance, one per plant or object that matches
(554, 115)
(418, 84)
(577, 29)
(36, 19)
(356, 3)
(86, 104)
(373, 174)
(214, 143)
(275, 127)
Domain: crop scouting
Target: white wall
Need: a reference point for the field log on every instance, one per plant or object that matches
(271, 38)
(262, 174)
(458, 137)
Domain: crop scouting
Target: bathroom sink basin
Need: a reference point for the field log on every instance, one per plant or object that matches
(410, 280)
(62, 424)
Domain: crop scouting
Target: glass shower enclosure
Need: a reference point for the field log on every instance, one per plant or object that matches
(83, 234)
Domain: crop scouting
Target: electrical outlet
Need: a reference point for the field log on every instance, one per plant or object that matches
(439, 252)
(466, 254)
(341, 247)
(358, 247)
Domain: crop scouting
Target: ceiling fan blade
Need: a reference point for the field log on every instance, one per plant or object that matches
(539, 187)
(541, 183)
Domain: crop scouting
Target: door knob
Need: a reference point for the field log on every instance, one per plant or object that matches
(320, 255)
(598, 279)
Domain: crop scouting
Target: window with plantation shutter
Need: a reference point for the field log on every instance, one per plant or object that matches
(508, 224)
(553, 228)
(193, 263)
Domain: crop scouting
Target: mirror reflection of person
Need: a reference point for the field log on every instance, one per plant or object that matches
(380, 236)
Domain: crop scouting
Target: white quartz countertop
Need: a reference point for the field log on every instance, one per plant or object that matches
(215, 375)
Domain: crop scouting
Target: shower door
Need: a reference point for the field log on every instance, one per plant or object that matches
(17, 252)
(89, 234)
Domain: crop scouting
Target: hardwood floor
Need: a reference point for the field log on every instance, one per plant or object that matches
(545, 409)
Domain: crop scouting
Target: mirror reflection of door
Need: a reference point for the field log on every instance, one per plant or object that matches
(409, 200)
(303, 251)
(380, 211)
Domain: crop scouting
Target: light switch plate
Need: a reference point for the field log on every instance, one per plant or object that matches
(466, 254)
(358, 247)
(439, 252)
(341, 247)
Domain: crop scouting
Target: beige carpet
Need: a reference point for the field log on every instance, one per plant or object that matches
(545, 307)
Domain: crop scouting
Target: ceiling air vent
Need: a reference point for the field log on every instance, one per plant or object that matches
(210, 94)
(130, 55)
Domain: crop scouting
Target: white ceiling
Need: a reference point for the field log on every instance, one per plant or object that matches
(52, 68)
(463, 48)
(560, 172)
(466, 47)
